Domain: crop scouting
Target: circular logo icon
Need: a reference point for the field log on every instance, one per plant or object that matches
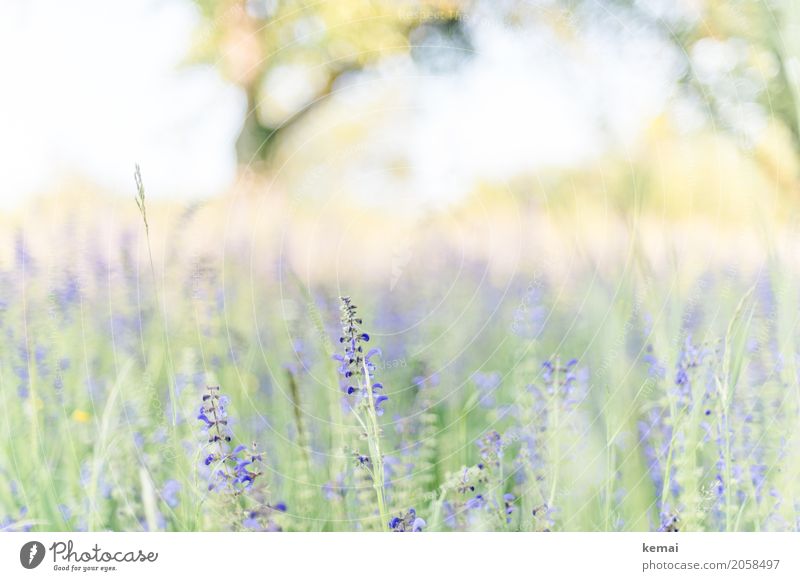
(31, 554)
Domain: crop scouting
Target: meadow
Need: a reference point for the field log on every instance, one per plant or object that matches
(184, 377)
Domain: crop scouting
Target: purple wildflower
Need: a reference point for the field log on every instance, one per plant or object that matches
(356, 366)
(231, 470)
(487, 384)
(170, 492)
(409, 522)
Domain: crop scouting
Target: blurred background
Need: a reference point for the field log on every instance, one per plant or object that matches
(521, 119)
(688, 105)
(605, 178)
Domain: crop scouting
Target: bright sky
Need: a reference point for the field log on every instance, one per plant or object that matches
(90, 87)
(525, 100)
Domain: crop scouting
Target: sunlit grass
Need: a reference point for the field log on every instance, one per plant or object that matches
(105, 358)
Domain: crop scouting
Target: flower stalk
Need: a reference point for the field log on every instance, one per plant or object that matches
(365, 396)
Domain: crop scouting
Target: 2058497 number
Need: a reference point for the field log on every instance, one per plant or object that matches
(745, 564)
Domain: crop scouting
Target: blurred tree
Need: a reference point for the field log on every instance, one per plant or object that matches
(740, 59)
(286, 55)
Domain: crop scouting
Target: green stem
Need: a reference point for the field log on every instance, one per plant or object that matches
(609, 479)
(140, 202)
(374, 438)
(555, 439)
(728, 486)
